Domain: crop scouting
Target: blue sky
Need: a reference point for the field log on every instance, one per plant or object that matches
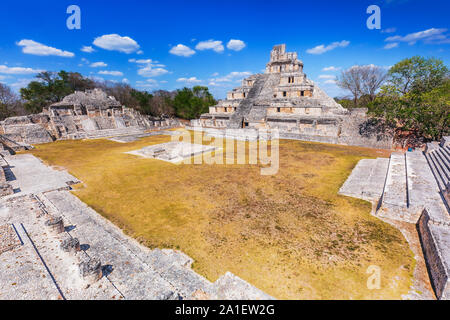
(170, 44)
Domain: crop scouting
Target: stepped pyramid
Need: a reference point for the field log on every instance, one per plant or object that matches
(282, 94)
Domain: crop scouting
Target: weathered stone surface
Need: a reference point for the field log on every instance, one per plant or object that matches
(55, 225)
(91, 270)
(71, 245)
(173, 152)
(231, 287)
(436, 246)
(31, 176)
(366, 180)
(8, 238)
(445, 142)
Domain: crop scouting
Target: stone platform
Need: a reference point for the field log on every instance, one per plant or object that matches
(173, 152)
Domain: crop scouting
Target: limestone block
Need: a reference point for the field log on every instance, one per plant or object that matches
(55, 225)
(71, 245)
(91, 270)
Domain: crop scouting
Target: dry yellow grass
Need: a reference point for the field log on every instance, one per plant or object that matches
(289, 234)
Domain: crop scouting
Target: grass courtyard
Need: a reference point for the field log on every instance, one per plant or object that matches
(289, 234)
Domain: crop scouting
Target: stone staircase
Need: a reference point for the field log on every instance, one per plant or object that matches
(366, 180)
(438, 156)
(415, 191)
(244, 108)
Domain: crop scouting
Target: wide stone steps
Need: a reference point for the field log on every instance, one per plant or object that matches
(245, 106)
(440, 166)
(443, 165)
(97, 134)
(366, 180)
(445, 157)
(395, 194)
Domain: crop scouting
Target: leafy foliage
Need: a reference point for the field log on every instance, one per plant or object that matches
(51, 87)
(416, 98)
(191, 103)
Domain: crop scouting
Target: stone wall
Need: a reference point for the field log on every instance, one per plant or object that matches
(433, 252)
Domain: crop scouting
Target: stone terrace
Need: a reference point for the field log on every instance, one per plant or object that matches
(415, 190)
(36, 265)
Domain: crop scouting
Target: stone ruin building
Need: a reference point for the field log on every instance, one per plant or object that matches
(90, 114)
(284, 98)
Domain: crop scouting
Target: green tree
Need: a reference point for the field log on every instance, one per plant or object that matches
(144, 100)
(416, 98)
(51, 87)
(191, 103)
(416, 74)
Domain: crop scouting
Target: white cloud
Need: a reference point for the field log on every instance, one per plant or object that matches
(18, 70)
(111, 73)
(149, 68)
(189, 80)
(115, 42)
(182, 51)
(231, 77)
(215, 74)
(87, 49)
(236, 45)
(98, 64)
(214, 45)
(432, 35)
(149, 71)
(330, 82)
(322, 48)
(141, 61)
(140, 52)
(326, 76)
(391, 45)
(39, 49)
(151, 62)
(125, 80)
(331, 68)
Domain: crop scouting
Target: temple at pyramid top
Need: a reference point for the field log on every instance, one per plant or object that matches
(282, 61)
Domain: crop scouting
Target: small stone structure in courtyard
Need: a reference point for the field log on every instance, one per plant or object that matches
(284, 98)
(173, 152)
